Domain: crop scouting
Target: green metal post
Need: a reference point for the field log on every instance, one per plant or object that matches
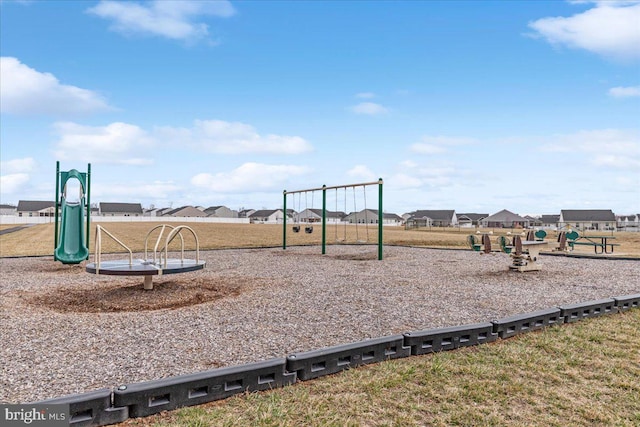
(55, 236)
(324, 219)
(88, 205)
(380, 219)
(284, 221)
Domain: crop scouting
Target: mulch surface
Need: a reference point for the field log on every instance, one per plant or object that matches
(166, 294)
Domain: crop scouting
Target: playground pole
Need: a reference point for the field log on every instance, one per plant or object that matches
(324, 219)
(55, 236)
(380, 219)
(88, 205)
(284, 220)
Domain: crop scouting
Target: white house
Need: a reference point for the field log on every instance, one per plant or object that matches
(267, 216)
(588, 219)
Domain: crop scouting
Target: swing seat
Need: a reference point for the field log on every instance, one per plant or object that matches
(296, 228)
(308, 229)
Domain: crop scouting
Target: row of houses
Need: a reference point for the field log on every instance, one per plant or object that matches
(581, 219)
(30, 208)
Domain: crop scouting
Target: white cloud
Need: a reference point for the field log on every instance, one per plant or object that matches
(369, 108)
(117, 142)
(222, 137)
(439, 144)
(26, 91)
(18, 165)
(249, 177)
(13, 183)
(158, 190)
(404, 181)
(624, 92)
(362, 172)
(16, 175)
(610, 29)
(173, 19)
(365, 95)
(610, 148)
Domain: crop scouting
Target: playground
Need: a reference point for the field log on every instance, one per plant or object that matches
(151, 310)
(66, 331)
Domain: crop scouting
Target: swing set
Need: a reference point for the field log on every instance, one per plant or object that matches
(312, 215)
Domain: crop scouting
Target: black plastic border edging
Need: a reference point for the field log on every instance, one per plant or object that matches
(103, 407)
(91, 409)
(575, 312)
(316, 363)
(510, 326)
(443, 339)
(151, 397)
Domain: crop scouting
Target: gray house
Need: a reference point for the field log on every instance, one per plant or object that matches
(8, 210)
(315, 215)
(185, 211)
(470, 219)
(266, 216)
(550, 221)
(505, 219)
(221, 212)
(432, 218)
(371, 216)
(628, 222)
(31, 208)
(120, 209)
(588, 219)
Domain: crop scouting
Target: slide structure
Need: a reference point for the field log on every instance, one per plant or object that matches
(72, 223)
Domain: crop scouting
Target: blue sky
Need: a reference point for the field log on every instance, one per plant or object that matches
(474, 106)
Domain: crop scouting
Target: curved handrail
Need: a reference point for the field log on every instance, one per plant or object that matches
(177, 231)
(155, 249)
(98, 249)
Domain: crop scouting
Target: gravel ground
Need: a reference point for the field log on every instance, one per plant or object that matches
(64, 331)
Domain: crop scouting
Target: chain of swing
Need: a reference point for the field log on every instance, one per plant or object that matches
(309, 228)
(355, 216)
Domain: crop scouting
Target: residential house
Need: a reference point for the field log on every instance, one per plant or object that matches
(628, 222)
(432, 218)
(185, 211)
(35, 208)
(371, 216)
(8, 210)
(505, 219)
(588, 219)
(315, 215)
(120, 209)
(533, 221)
(245, 213)
(550, 221)
(267, 216)
(221, 212)
(155, 212)
(470, 219)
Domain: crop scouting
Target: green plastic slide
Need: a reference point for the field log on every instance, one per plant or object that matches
(72, 248)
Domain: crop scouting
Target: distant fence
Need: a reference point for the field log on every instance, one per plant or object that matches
(49, 219)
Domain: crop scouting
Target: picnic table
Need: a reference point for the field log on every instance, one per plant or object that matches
(601, 244)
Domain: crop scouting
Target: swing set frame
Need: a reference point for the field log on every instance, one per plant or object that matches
(324, 189)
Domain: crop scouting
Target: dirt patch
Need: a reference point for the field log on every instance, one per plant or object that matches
(356, 257)
(167, 294)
